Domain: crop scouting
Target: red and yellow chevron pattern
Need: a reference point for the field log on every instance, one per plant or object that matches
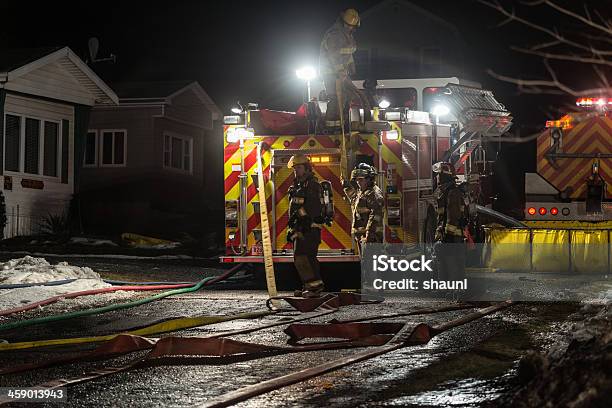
(590, 136)
(279, 177)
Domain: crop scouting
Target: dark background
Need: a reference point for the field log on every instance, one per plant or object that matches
(250, 50)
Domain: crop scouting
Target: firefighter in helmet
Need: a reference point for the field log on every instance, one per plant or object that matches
(449, 236)
(336, 66)
(367, 203)
(304, 227)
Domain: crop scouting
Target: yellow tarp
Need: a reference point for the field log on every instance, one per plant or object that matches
(508, 249)
(589, 249)
(550, 250)
(582, 225)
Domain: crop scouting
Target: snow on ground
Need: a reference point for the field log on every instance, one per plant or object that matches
(37, 270)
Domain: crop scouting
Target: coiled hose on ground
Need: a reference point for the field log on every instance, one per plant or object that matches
(64, 316)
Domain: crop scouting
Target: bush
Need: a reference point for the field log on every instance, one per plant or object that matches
(55, 224)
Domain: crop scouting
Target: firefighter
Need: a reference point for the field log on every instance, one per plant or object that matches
(449, 236)
(304, 227)
(336, 64)
(367, 203)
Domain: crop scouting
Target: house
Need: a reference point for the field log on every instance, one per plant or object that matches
(153, 163)
(398, 39)
(45, 99)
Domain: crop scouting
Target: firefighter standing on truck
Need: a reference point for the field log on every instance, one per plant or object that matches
(367, 203)
(336, 64)
(304, 227)
(449, 237)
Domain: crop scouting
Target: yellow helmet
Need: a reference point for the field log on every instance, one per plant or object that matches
(298, 159)
(351, 17)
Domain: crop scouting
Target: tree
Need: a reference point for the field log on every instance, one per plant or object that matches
(584, 44)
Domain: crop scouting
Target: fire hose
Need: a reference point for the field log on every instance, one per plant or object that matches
(383, 337)
(64, 316)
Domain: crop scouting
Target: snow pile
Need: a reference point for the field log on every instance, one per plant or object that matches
(37, 270)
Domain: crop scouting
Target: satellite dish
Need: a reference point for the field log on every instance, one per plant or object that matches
(94, 45)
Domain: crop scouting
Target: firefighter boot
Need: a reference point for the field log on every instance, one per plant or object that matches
(313, 285)
(313, 289)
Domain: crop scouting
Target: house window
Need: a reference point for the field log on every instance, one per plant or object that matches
(91, 149)
(113, 145)
(31, 145)
(178, 152)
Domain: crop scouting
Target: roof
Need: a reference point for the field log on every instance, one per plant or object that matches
(18, 63)
(148, 90)
(163, 92)
(416, 9)
(11, 59)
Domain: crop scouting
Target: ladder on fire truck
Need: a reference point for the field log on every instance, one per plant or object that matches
(479, 116)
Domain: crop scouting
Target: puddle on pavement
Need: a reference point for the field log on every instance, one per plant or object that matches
(483, 372)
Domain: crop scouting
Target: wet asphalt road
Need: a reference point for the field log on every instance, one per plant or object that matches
(466, 366)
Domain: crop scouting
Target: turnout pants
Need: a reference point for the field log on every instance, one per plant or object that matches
(349, 93)
(450, 258)
(305, 258)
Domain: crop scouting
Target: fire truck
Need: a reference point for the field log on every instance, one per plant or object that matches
(574, 166)
(402, 143)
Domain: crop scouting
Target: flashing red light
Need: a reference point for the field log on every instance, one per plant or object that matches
(554, 211)
(531, 210)
(593, 101)
(542, 211)
(227, 260)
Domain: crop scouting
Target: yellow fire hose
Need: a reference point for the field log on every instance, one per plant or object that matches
(343, 163)
(163, 327)
(265, 231)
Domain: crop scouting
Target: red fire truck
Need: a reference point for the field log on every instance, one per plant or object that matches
(402, 143)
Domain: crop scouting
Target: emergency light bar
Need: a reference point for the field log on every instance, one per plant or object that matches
(588, 102)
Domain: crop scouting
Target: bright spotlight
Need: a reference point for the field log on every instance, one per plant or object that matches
(440, 110)
(384, 104)
(306, 73)
(237, 108)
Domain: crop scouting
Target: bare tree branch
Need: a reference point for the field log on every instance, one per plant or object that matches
(546, 45)
(602, 76)
(564, 57)
(601, 38)
(553, 33)
(588, 21)
(543, 86)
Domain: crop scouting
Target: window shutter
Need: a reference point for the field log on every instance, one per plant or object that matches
(65, 149)
(13, 133)
(32, 146)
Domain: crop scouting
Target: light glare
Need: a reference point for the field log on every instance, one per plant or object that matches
(306, 73)
(440, 110)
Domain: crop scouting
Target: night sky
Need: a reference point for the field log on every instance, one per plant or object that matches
(250, 50)
(246, 50)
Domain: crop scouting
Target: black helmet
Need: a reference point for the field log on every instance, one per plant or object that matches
(364, 170)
